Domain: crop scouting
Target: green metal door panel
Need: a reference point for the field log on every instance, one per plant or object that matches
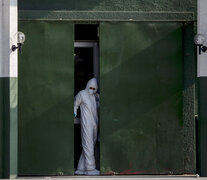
(141, 98)
(46, 80)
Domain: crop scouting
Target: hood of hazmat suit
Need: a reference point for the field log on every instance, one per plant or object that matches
(88, 101)
(92, 84)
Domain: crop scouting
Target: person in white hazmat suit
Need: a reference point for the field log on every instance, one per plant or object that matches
(88, 100)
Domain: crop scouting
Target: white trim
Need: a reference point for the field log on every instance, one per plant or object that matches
(202, 28)
(8, 30)
(4, 38)
(13, 37)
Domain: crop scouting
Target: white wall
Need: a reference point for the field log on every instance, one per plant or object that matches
(202, 28)
(8, 30)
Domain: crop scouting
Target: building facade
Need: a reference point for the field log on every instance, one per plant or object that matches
(152, 85)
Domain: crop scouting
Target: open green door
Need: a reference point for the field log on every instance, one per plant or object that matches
(141, 98)
(46, 80)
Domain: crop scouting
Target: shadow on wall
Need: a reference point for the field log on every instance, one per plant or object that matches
(108, 5)
(137, 116)
(58, 5)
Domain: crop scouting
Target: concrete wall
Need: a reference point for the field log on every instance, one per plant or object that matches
(8, 89)
(96, 10)
(202, 74)
(109, 5)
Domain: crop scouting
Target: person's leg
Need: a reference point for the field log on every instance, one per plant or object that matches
(93, 172)
(81, 166)
(88, 147)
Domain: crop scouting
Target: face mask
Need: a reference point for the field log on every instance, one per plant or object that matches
(90, 91)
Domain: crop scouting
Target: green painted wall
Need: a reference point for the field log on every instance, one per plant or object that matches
(45, 109)
(189, 105)
(143, 127)
(8, 127)
(1, 128)
(4, 127)
(202, 126)
(95, 10)
(106, 10)
(109, 5)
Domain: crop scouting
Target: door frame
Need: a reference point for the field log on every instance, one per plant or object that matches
(94, 45)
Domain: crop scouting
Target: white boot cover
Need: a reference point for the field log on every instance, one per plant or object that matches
(93, 173)
(79, 172)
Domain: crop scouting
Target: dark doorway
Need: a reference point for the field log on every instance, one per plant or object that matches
(86, 67)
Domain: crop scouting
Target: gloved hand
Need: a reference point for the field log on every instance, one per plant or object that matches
(75, 114)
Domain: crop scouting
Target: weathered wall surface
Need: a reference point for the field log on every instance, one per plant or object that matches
(202, 74)
(130, 10)
(109, 9)
(110, 5)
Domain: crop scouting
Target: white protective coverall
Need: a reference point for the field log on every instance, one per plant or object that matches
(88, 100)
